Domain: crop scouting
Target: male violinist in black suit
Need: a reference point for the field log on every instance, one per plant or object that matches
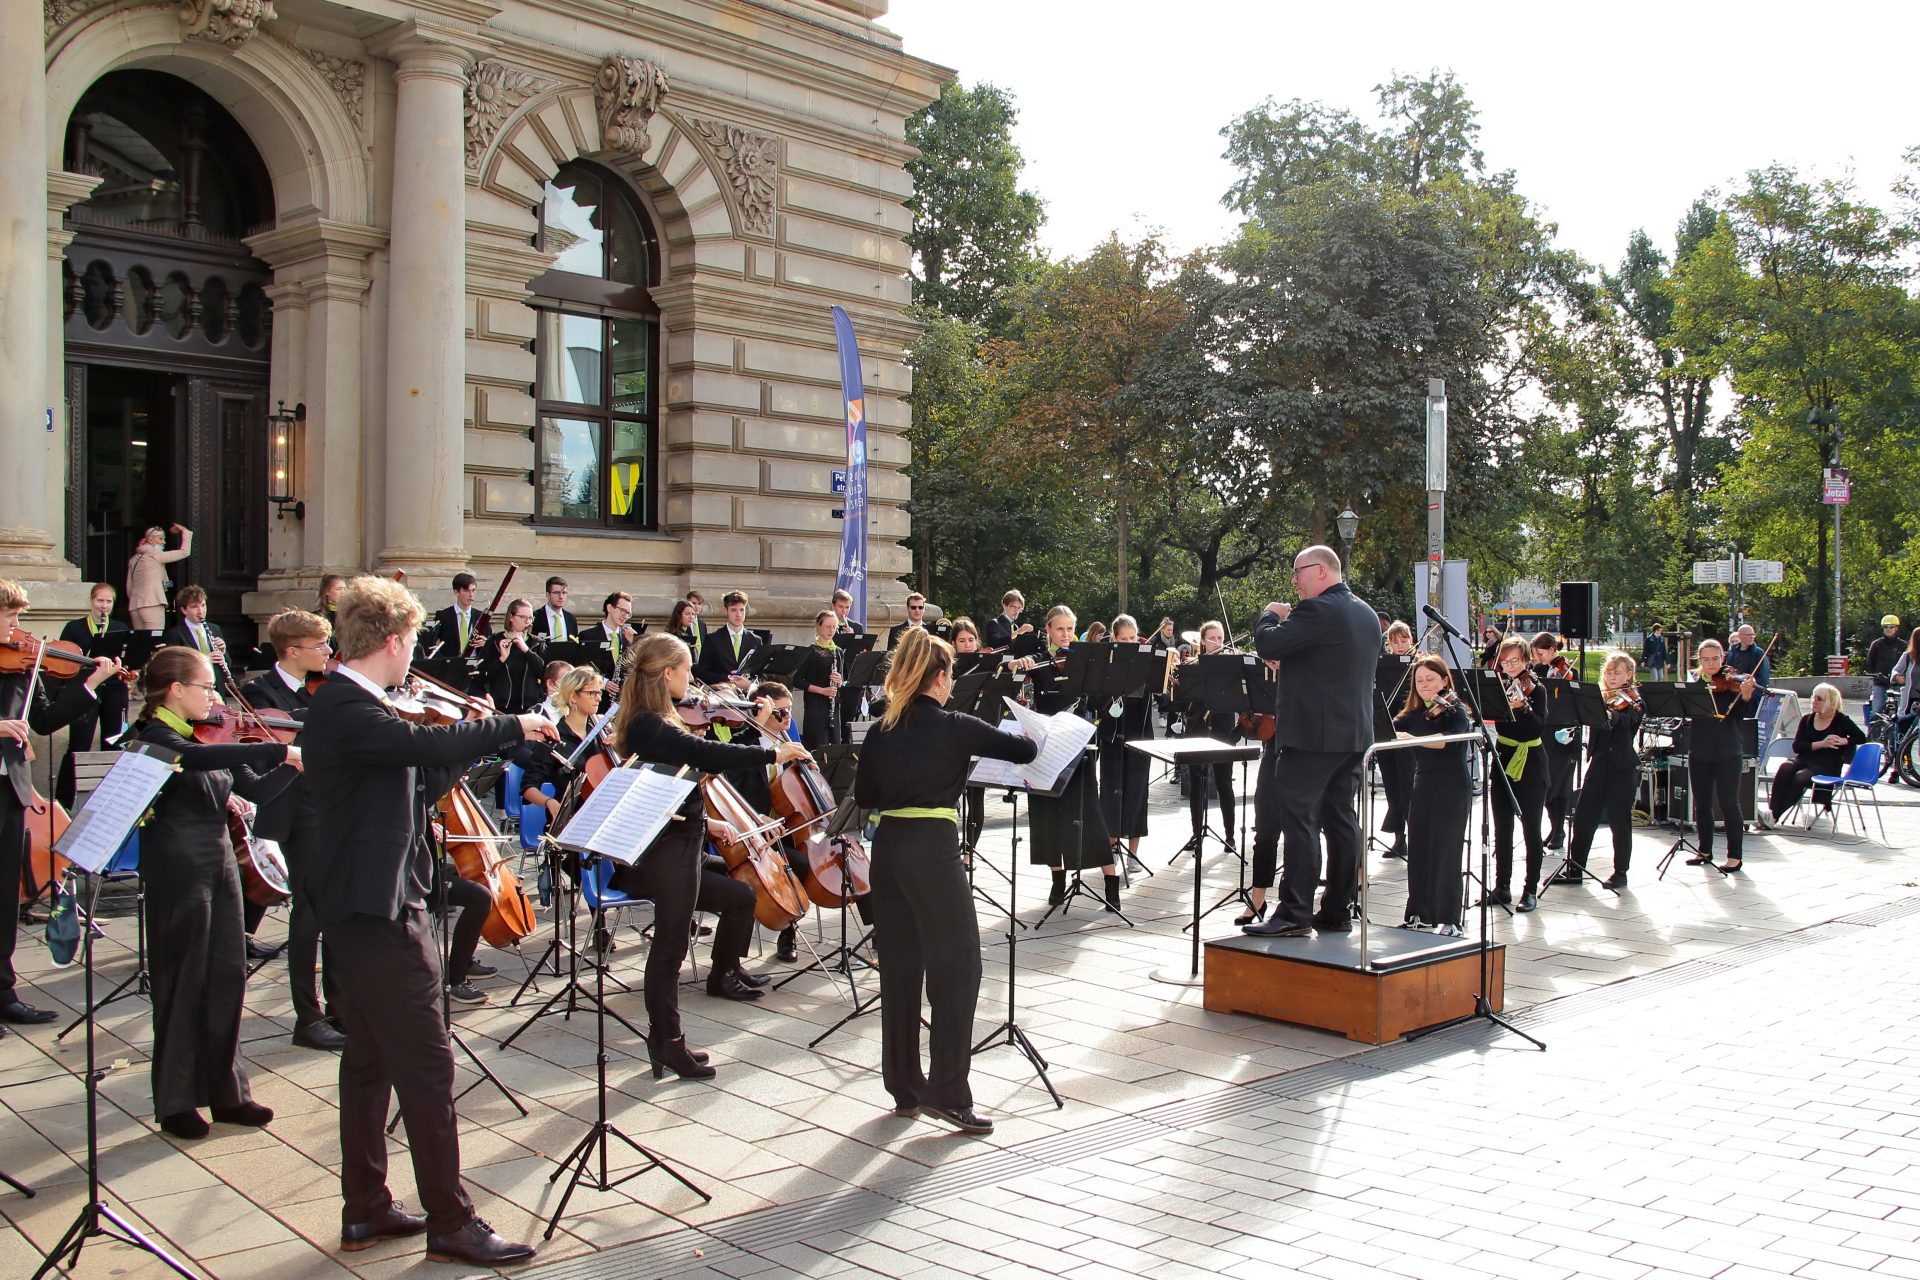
(555, 621)
(377, 776)
(1329, 644)
(727, 647)
(300, 649)
(96, 633)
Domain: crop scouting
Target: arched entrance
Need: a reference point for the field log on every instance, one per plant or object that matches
(168, 333)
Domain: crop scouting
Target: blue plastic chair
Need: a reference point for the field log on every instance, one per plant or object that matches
(1863, 772)
(533, 821)
(513, 782)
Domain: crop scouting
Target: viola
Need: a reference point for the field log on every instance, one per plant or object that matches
(46, 822)
(473, 844)
(230, 724)
(59, 660)
(751, 858)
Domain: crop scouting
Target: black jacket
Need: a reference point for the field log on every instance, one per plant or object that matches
(1328, 649)
(922, 761)
(541, 627)
(1616, 745)
(446, 630)
(49, 713)
(1831, 761)
(717, 660)
(181, 634)
(598, 643)
(365, 769)
(188, 830)
(516, 682)
(292, 810)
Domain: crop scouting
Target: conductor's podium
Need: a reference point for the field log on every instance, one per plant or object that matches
(1408, 981)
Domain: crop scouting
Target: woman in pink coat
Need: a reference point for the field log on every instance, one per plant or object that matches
(147, 577)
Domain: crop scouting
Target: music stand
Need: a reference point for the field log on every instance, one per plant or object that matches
(1134, 671)
(1213, 684)
(1178, 751)
(1008, 1033)
(1689, 700)
(1589, 709)
(117, 806)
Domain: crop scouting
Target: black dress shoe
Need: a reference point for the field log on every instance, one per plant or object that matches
(1618, 880)
(186, 1124)
(390, 1223)
(318, 1035)
(1329, 924)
(788, 950)
(476, 1243)
(968, 1121)
(1528, 901)
(25, 1014)
(256, 951)
(253, 1115)
(727, 986)
(755, 980)
(1278, 927)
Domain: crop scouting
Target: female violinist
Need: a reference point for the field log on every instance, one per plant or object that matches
(1714, 754)
(1396, 770)
(1223, 725)
(1562, 746)
(1613, 774)
(27, 708)
(195, 940)
(1441, 799)
(648, 729)
(912, 766)
(966, 639)
(820, 679)
(1823, 743)
(1124, 773)
(147, 576)
(1067, 830)
(1523, 794)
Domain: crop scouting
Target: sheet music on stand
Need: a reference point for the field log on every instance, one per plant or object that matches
(115, 807)
(627, 811)
(1062, 738)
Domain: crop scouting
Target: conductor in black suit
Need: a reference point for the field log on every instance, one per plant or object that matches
(1328, 646)
(376, 776)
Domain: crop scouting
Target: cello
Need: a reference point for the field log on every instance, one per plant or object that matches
(472, 841)
(46, 822)
(750, 855)
(837, 866)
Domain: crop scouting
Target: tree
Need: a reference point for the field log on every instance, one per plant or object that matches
(973, 227)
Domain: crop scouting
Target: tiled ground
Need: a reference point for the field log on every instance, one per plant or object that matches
(1711, 1120)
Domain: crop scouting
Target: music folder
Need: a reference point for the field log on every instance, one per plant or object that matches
(628, 811)
(1062, 739)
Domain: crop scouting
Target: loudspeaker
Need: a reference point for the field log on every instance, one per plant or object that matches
(1580, 610)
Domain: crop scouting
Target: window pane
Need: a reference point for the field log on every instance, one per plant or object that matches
(571, 352)
(570, 469)
(629, 488)
(571, 222)
(629, 248)
(632, 361)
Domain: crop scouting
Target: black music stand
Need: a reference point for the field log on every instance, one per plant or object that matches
(1589, 709)
(1213, 684)
(1179, 751)
(1008, 1033)
(1392, 674)
(1487, 693)
(1689, 700)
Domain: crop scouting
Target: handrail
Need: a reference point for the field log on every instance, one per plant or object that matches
(1366, 809)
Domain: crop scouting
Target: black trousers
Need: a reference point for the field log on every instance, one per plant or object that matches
(1792, 782)
(1266, 816)
(107, 719)
(1322, 789)
(1396, 776)
(928, 938)
(669, 873)
(1606, 796)
(473, 904)
(732, 901)
(1562, 764)
(1125, 775)
(1524, 799)
(197, 956)
(1716, 781)
(397, 1045)
(1222, 777)
(1436, 833)
(13, 847)
(305, 946)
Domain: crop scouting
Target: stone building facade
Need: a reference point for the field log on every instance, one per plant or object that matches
(551, 279)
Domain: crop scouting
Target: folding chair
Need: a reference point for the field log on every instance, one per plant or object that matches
(1863, 772)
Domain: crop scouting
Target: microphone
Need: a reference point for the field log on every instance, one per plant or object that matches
(1436, 616)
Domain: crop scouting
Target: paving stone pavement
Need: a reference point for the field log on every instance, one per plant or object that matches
(1723, 1095)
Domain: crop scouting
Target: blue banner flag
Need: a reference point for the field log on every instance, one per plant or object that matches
(853, 535)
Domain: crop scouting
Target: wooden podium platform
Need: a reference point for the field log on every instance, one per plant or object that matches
(1414, 980)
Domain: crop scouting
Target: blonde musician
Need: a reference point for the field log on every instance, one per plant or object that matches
(1613, 774)
(820, 678)
(648, 729)
(1524, 793)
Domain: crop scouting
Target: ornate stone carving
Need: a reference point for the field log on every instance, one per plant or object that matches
(348, 80)
(60, 12)
(751, 163)
(629, 91)
(228, 22)
(494, 92)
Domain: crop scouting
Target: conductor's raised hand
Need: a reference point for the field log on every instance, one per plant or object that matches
(535, 727)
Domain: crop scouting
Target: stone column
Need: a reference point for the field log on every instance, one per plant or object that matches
(426, 332)
(30, 534)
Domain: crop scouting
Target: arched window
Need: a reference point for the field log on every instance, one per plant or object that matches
(596, 438)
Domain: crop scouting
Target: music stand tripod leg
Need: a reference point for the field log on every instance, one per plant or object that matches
(1009, 1032)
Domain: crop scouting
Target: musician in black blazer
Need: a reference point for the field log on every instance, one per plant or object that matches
(916, 611)
(93, 633)
(513, 664)
(458, 617)
(1328, 646)
(849, 706)
(608, 640)
(377, 777)
(301, 647)
(728, 646)
(193, 631)
(553, 620)
(47, 713)
(1003, 628)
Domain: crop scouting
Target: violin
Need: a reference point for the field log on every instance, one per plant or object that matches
(1257, 725)
(1447, 701)
(59, 660)
(425, 700)
(231, 724)
(1625, 698)
(1519, 688)
(472, 845)
(1560, 668)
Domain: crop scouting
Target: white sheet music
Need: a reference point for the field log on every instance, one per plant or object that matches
(1062, 738)
(626, 812)
(113, 810)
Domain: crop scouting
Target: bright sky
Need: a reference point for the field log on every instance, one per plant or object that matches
(1613, 117)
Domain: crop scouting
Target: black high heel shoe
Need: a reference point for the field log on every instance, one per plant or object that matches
(1250, 915)
(662, 1054)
